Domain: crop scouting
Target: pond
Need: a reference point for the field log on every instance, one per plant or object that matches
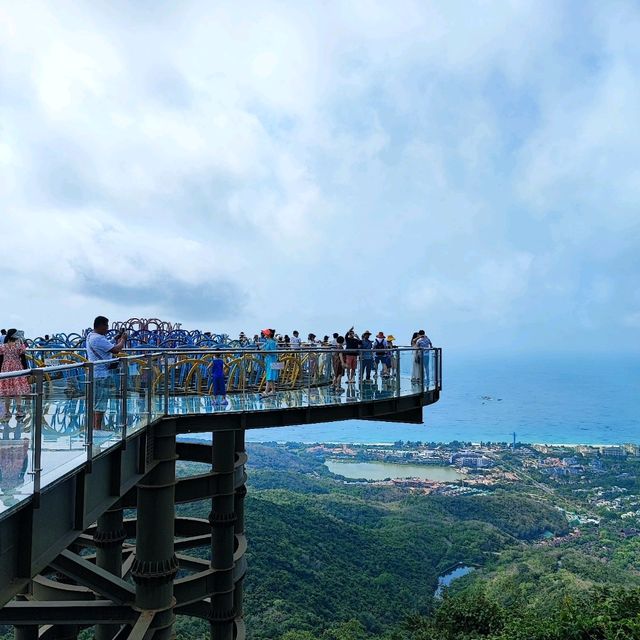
(383, 470)
(446, 579)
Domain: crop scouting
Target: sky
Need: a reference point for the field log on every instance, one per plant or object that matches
(467, 167)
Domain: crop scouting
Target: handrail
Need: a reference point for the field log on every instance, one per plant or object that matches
(177, 381)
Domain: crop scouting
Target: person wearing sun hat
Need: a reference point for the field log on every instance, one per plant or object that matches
(382, 356)
(393, 354)
(366, 361)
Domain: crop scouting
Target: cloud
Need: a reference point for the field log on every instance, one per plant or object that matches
(320, 164)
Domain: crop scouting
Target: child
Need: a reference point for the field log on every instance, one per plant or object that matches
(217, 377)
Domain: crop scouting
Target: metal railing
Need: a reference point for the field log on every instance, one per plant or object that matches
(75, 411)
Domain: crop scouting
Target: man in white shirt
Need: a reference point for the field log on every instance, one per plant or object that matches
(296, 341)
(99, 347)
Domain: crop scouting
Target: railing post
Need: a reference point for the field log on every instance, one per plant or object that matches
(310, 355)
(244, 381)
(90, 409)
(124, 377)
(398, 363)
(36, 461)
(149, 385)
(421, 360)
(165, 361)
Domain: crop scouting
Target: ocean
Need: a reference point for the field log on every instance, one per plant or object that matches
(586, 399)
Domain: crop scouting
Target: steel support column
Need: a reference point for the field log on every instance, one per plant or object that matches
(156, 565)
(108, 538)
(222, 520)
(241, 492)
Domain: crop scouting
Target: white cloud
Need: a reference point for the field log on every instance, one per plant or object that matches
(473, 162)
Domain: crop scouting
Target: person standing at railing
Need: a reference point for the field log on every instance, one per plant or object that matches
(415, 367)
(296, 340)
(382, 354)
(338, 364)
(99, 347)
(366, 363)
(394, 356)
(352, 343)
(425, 345)
(13, 358)
(218, 386)
(270, 361)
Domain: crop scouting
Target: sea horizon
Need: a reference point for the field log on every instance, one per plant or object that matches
(581, 400)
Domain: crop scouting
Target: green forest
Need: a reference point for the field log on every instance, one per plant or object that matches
(331, 560)
(336, 561)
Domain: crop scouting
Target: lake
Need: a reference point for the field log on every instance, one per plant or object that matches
(383, 470)
(446, 579)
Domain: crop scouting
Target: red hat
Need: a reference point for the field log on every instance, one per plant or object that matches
(380, 334)
(266, 333)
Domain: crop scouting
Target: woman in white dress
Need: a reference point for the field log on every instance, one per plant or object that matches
(415, 367)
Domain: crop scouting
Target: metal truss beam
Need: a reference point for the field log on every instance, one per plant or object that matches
(89, 575)
(62, 612)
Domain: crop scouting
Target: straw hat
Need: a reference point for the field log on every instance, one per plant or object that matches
(390, 338)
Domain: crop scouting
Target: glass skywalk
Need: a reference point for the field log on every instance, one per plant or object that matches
(55, 429)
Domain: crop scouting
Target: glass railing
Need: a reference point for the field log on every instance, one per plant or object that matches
(56, 418)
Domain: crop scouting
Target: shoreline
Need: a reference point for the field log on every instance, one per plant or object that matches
(334, 443)
(473, 444)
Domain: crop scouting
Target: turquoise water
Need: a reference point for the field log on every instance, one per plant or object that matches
(591, 399)
(383, 470)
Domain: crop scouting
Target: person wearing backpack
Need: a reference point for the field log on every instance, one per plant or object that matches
(380, 348)
(426, 346)
(366, 362)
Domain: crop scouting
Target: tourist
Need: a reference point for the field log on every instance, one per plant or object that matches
(426, 346)
(334, 341)
(394, 355)
(296, 341)
(352, 343)
(415, 366)
(338, 364)
(366, 351)
(99, 347)
(13, 358)
(270, 361)
(312, 356)
(218, 387)
(382, 355)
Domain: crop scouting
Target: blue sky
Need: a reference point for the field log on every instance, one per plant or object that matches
(467, 167)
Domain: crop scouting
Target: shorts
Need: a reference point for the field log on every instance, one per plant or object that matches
(103, 390)
(351, 361)
(219, 388)
(386, 360)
